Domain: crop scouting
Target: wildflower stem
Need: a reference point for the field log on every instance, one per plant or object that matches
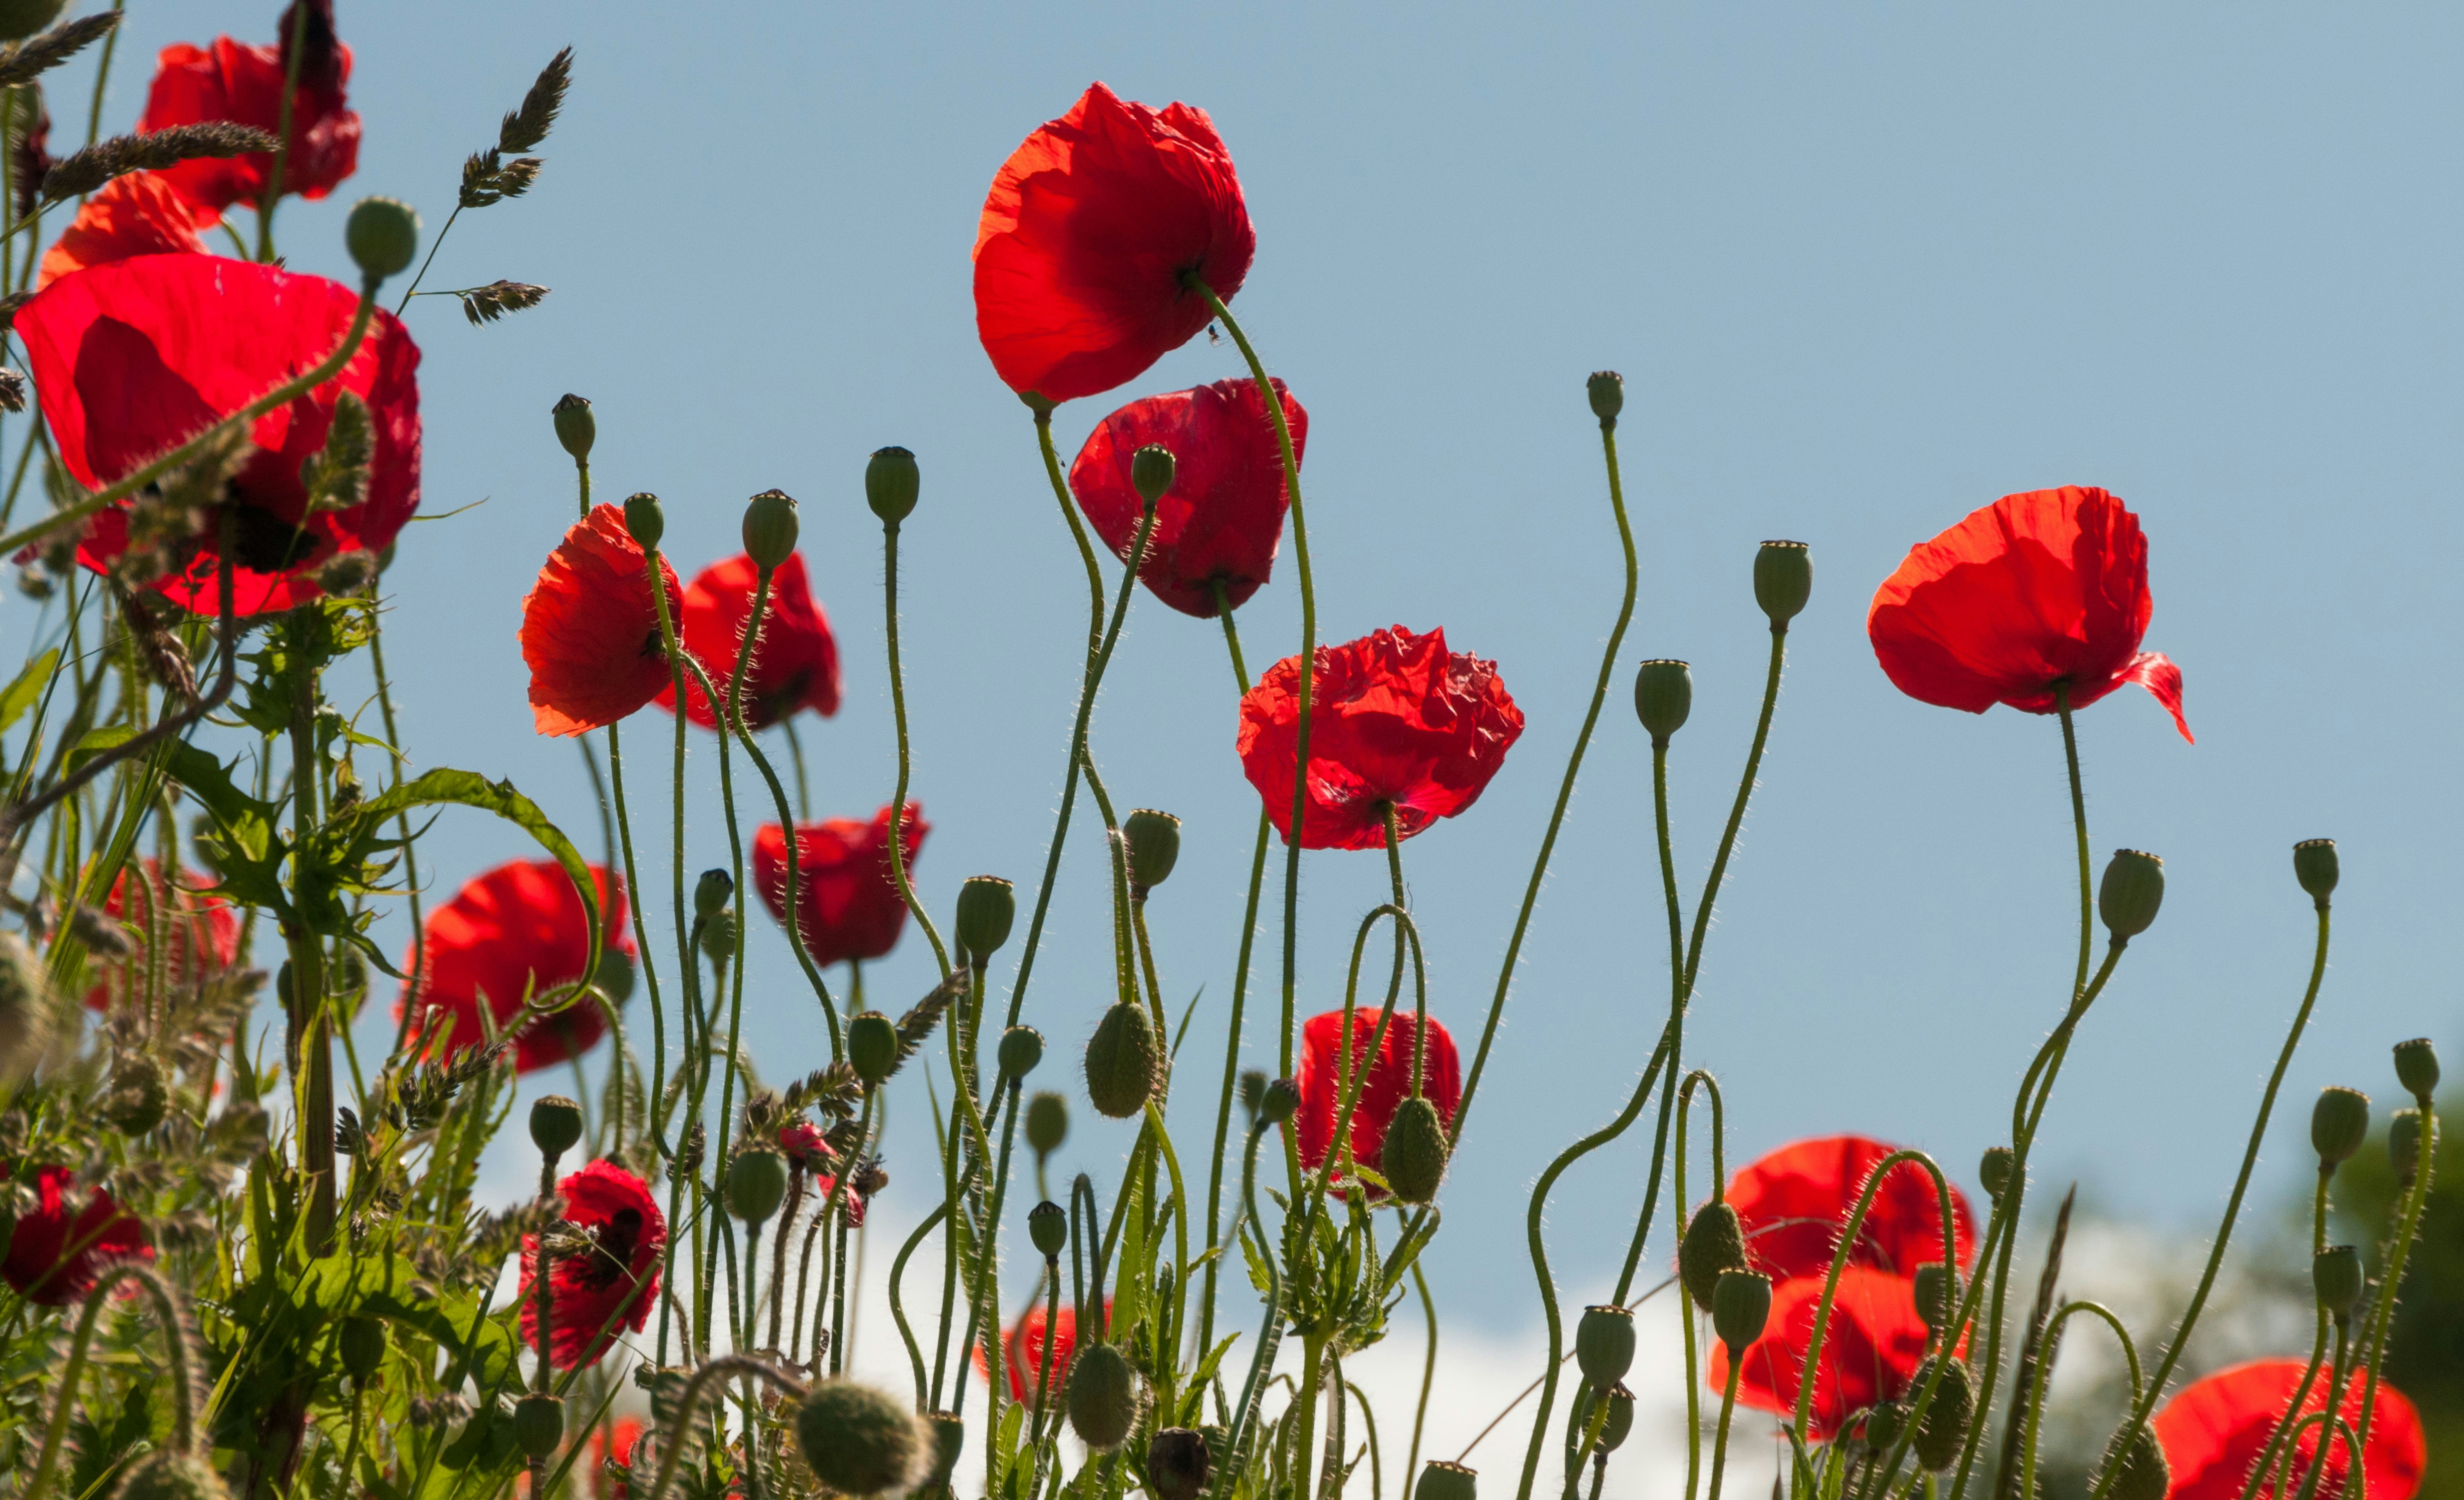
(294, 49)
(1727, 1409)
(2078, 824)
(2374, 1352)
(2317, 1347)
(898, 713)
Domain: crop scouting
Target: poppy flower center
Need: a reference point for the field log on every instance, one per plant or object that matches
(613, 1257)
(262, 541)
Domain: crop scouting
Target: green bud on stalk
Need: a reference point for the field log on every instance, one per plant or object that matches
(1944, 1431)
(382, 237)
(2335, 1276)
(892, 483)
(947, 1431)
(1154, 847)
(1995, 1168)
(2133, 889)
(1124, 1061)
(645, 520)
(2140, 1471)
(1604, 1344)
(769, 527)
(711, 893)
(1048, 1225)
(1253, 1090)
(1178, 1464)
(1606, 389)
(859, 1442)
(1621, 1423)
(1714, 1244)
(1104, 1397)
(1150, 472)
(1783, 580)
(1022, 1048)
(1937, 1296)
(1414, 1157)
(616, 976)
(362, 1343)
(577, 428)
(2314, 865)
(1664, 695)
(756, 1181)
(2339, 1123)
(1047, 1122)
(556, 1125)
(718, 936)
(987, 905)
(2404, 1144)
(138, 1098)
(1280, 1102)
(1885, 1424)
(1443, 1481)
(1740, 1307)
(539, 1423)
(2416, 1068)
(872, 1046)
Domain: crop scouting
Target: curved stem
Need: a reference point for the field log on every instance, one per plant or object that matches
(2374, 1351)
(2078, 824)
(672, 1442)
(899, 1309)
(1727, 1409)
(2051, 1344)
(1429, 1376)
(184, 1416)
(898, 713)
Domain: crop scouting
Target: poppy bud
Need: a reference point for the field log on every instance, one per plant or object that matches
(2141, 1471)
(1154, 847)
(362, 1344)
(1740, 1306)
(169, 1474)
(718, 936)
(1253, 1090)
(346, 572)
(987, 905)
(2339, 1123)
(382, 235)
(1414, 1155)
(1885, 1424)
(711, 893)
(539, 1423)
(138, 1098)
(1664, 695)
(1441, 1480)
(576, 428)
(859, 1442)
(770, 529)
(615, 977)
(1022, 1048)
(2416, 1068)
(645, 521)
(1151, 472)
(2314, 865)
(1604, 1345)
(2132, 889)
(1047, 1122)
(947, 1431)
(2336, 1276)
(23, 18)
(872, 1046)
(1714, 1244)
(2404, 1144)
(1607, 390)
(1104, 1397)
(1944, 1431)
(1995, 1168)
(1047, 1225)
(757, 1180)
(1783, 580)
(1177, 1463)
(891, 484)
(1621, 1423)
(1936, 1295)
(1280, 1102)
(556, 1125)
(1123, 1062)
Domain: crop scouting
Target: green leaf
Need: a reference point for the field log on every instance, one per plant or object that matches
(95, 742)
(469, 789)
(20, 695)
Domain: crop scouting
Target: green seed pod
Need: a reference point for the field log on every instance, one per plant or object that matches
(1253, 1090)
(139, 1096)
(1443, 1481)
(539, 1423)
(1177, 1459)
(1664, 695)
(646, 520)
(2416, 1068)
(575, 427)
(362, 1343)
(720, 935)
(1124, 1063)
(2404, 1144)
(382, 235)
(2140, 1470)
(1604, 1345)
(770, 527)
(1150, 472)
(616, 976)
(859, 1442)
(1714, 1244)
(1885, 1424)
(1022, 1048)
(25, 1007)
(1994, 1170)
(1104, 1397)
(1944, 1431)
(167, 1474)
(1606, 389)
(1047, 1122)
(2314, 865)
(1621, 1423)
(947, 1431)
(1414, 1155)
(1783, 580)
(1047, 1225)
(2133, 889)
(872, 1046)
(20, 19)
(1936, 1295)
(1155, 846)
(757, 1181)
(1280, 1102)
(711, 893)
(892, 483)
(1740, 1306)
(556, 1125)
(987, 905)
(2339, 1123)
(2335, 1276)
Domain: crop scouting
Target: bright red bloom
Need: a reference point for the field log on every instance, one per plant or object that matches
(590, 629)
(1794, 1202)
(614, 1286)
(795, 663)
(847, 902)
(1870, 1351)
(805, 1145)
(1319, 1077)
(1224, 515)
(231, 80)
(200, 935)
(516, 932)
(1394, 717)
(613, 1442)
(1094, 228)
(58, 1251)
(134, 359)
(1022, 1352)
(2034, 590)
(138, 214)
(2215, 1429)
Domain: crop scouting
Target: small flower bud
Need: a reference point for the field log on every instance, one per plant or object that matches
(1604, 1345)
(2404, 1144)
(1022, 1048)
(1177, 1463)
(1621, 1423)
(1885, 1424)
(576, 428)
(947, 1431)
(1104, 1397)
(616, 976)
(1414, 1155)
(1606, 389)
(382, 235)
(2141, 1471)
(1280, 1102)
(346, 572)
(720, 935)
(1783, 580)
(2336, 1276)
(2416, 1068)
(1740, 1306)
(987, 905)
(711, 893)
(539, 1423)
(1713, 1245)
(1150, 472)
(1047, 1225)
(770, 529)
(756, 1181)
(891, 484)
(1993, 1170)
(1253, 1090)
(1441, 1480)
(1937, 1296)
(2339, 1123)
(556, 1125)
(1047, 1122)
(860, 1441)
(1664, 695)
(1124, 1061)
(139, 1096)
(1944, 1431)
(645, 521)
(2132, 889)
(1154, 847)
(872, 1046)
(2314, 865)
(362, 1343)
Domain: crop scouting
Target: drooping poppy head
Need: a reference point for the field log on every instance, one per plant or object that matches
(1794, 1203)
(513, 933)
(242, 83)
(2034, 590)
(1387, 1084)
(1870, 1351)
(804, 1146)
(795, 663)
(598, 1294)
(1395, 718)
(134, 359)
(1094, 230)
(1222, 517)
(590, 629)
(847, 904)
(138, 214)
(194, 935)
(1022, 1352)
(59, 1249)
(2215, 1429)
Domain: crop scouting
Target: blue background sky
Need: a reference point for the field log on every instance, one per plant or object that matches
(1864, 269)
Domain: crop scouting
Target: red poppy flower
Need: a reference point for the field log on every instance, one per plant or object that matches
(138, 214)
(134, 359)
(1870, 1351)
(1224, 515)
(1022, 1352)
(590, 629)
(1094, 229)
(846, 902)
(614, 1443)
(795, 663)
(1394, 717)
(58, 1252)
(805, 1145)
(611, 1286)
(2215, 1429)
(516, 932)
(234, 81)
(200, 936)
(1319, 1078)
(2034, 590)
(1794, 1202)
